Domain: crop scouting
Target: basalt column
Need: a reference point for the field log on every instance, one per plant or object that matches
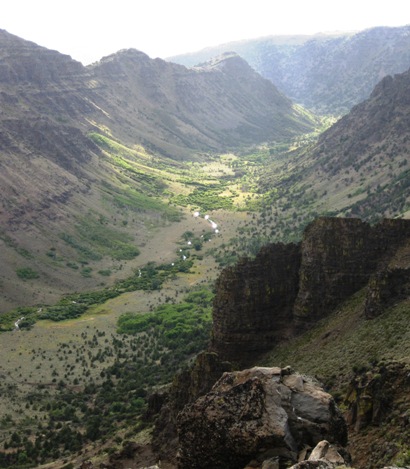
(254, 301)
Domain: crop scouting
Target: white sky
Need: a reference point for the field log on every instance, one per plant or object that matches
(91, 29)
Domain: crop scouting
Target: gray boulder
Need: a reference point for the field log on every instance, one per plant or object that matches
(258, 414)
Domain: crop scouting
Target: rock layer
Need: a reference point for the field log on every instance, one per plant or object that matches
(287, 289)
(254, 301)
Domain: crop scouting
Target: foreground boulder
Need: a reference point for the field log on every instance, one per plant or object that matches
(255, 415)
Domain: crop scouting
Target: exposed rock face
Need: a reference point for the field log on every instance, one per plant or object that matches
(324, 456)
(335, 263)
(339, 255)
(257, 414)
(254, 301)
(384, 288)
(185, 389)
(288, 288)
(378, 403)
(371, 394)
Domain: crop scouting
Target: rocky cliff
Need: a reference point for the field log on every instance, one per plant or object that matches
(254, 301)
(377, 402)
(339, 257)
(287, 289)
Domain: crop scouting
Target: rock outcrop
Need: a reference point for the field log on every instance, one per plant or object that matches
(254, 301)
(385, 287)
(323, 456)
(257, 415)
(339, 256)
(186, 387)
(287, 289)
(372, 393)
(378, 416)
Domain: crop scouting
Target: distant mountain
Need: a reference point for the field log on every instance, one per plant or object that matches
(219, 105)
(82, 145)
(371, 145)
(326, 73)
(358, 167)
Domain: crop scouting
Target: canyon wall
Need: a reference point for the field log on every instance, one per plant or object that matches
(254, 301)
(288, 288)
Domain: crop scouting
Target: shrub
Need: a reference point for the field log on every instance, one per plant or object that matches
(27, 273)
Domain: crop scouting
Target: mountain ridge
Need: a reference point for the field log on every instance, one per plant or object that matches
(326, 73)
(79, 143)
(82, 208)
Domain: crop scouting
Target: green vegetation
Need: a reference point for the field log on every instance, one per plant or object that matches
(148, 278)
(78, 409)
(138, 202)
(27, 273)
(105, 272)
(183, 328)
(97, 240)
(205, 198)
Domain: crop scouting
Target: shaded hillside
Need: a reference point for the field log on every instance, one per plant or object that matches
(90, 156)
(220, 105)
(358, 167)
(329, 74)
(370, 146)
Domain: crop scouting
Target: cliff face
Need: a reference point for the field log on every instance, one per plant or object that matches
(339, 256)
(378, 398)
(288, 288)
(254, 301)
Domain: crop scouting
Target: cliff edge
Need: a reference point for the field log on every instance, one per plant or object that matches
(287, 289)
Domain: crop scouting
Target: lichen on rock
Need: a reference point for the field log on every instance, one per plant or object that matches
(256, 414)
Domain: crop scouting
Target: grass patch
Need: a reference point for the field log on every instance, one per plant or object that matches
(148, 278)
(137, 202)
(205, 199)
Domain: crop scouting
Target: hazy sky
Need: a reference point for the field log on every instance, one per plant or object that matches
(90, 29)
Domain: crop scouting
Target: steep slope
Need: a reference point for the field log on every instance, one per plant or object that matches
(89, 154)
(370, 146)
(219, 105)
(326, 73)
(358, 167)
